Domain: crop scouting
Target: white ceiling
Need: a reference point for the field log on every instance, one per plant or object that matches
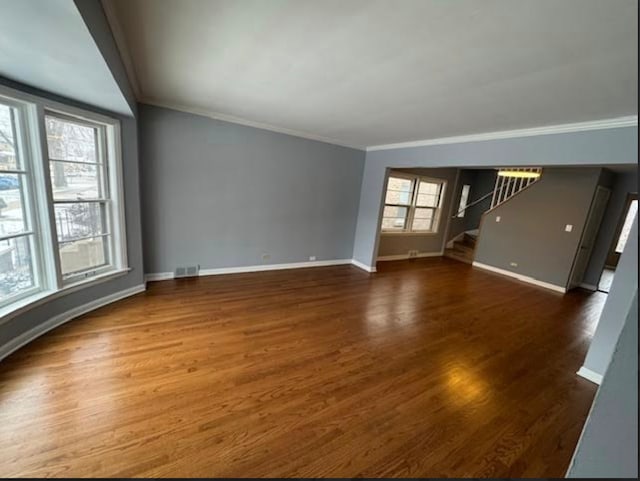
(367, 72)
(46, 44)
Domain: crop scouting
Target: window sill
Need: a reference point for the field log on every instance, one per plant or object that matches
(23, 305)
(389, 233)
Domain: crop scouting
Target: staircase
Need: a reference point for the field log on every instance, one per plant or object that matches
(463, 248)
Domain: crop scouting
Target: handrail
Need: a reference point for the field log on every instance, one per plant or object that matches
(477, 201)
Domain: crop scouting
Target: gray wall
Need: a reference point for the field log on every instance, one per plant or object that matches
(597, 147)
(531, 231)
(33, 317)
(623, 184)
(220, 195)
(608, 447)
(623, 288)
(400, 244)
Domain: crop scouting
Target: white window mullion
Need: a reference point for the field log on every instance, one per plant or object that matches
(45, 204)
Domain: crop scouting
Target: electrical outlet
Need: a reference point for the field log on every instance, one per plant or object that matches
(498, 218)
(266, 257)
(413, 253)
(513, 264)
(312, 258)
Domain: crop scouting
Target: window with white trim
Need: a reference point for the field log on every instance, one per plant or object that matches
(412, 204)
(61, 200)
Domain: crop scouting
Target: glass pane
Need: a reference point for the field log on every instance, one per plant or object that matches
(12, 213)
(464, 198)
(81, 255)
(626, 227)
(398, 197)
(79, 220)
(16, 273)
(70, 141)
(8, 145)
(427, 200)
(71, 181)
(429, 188)
(400, 184)
(391, 223)
(392, 211)
(423, 219)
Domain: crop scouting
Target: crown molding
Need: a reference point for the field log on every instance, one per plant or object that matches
(628, 121)
(249, 123)
(121, 43)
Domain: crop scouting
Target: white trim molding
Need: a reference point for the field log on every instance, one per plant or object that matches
(589, 287)
(590, 375)
(162, 276)
(249, 123)
(37, 331)
(399, 257)
(520, 277)
(628, 121)
(363, 266)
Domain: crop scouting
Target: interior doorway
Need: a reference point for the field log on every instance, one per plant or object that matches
(619, 241)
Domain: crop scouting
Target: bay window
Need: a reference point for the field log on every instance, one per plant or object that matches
(61, 200)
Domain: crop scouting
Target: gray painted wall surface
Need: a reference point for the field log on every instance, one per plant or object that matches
(400, 244)
(598, 147)
(32, 318)
(622, 185)
(608, 447)
(623, 288)
(219, 194)
(531, 231)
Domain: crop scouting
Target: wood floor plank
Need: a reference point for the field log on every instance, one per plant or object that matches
(426, 368)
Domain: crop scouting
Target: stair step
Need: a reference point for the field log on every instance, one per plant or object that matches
(457, 255)
(462, 247)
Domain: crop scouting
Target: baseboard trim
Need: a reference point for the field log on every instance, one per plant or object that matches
(26, 337)
(400, 257)
(589, 287)
(520, 277)
(590, 375)
(362, 266)
(162, 276)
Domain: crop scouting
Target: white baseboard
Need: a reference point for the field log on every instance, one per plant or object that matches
(590, 375)
(521, 277)
(362, 266)
(67, 316)
(400, 257)
(589, 287)
(161, 276)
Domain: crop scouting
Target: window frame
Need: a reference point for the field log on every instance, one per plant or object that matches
(46, 257)
(408, 228)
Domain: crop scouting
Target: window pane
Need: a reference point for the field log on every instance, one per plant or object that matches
(71, 181)
(8, 144)
(429, 188)
(400, 184)
(81, 255)
(626, 227)
(81, 219)
(16, 274)
(398, 197)
(392, 211)
(464, 198)
(423, 219)
(12, 213)
(426, 200)
(391, 223)
(71, 141)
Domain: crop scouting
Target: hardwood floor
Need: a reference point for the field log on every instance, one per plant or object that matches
(427, 368)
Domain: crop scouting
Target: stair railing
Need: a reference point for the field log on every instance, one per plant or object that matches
(475, 202)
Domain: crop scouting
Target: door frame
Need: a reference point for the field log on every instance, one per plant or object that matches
(612, 256)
